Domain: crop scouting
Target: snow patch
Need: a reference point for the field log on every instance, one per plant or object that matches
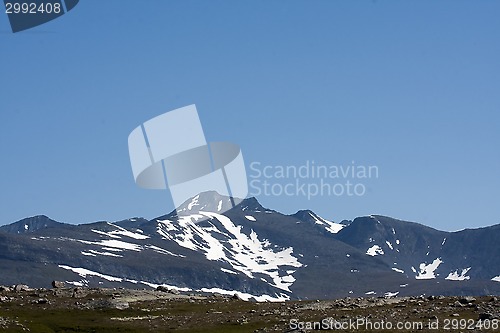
(163, 251)
(120, 232)
(119, 245)
(427, 271)
(77, 283)
(330, 226)
(109, 243)
(454, 276)
(398, 270)
(250, 218)
(228, 271)
(391, 294)
(334, 227)
(84, 272)
(194, 202)
(112, 249)
(96, 253)
(374, 250)
(154, 285)
(169, 225)
(245, 296)
(129, 234)
(220, 239)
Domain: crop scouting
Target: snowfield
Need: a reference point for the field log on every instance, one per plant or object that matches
(427, 271)
(219, 238)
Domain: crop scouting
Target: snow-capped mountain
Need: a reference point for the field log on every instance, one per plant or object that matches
(255, 252)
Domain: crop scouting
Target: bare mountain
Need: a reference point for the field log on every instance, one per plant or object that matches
(253, 251)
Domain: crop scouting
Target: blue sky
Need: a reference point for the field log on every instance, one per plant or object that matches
(411, 87)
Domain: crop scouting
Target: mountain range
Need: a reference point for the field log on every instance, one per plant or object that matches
(255, 252)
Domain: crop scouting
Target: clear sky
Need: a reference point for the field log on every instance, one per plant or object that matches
(410, 87)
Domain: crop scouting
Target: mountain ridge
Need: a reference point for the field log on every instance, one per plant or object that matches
(255, 251)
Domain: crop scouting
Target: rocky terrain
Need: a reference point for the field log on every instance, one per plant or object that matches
(70, 309)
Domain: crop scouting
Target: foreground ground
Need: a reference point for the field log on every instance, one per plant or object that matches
(120, 310)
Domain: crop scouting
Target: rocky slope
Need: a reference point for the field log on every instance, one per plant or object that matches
(257, 252)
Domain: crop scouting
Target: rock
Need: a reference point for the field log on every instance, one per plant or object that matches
(467, 300)
(41, 301)
(174, 291)
(58, 284)
(485, 316)
(21, 287)
(121, 305)
(235, 296)
(455, 315)
(163, 289)
(457, 304)
(107, 304)
(3, 299)
(167, 290)
(4, 288)
(79, 292)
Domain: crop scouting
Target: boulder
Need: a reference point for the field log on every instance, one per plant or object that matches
(79, 292)
(58, 284)
(174, 291)
(21, 287)
(163, 289)
(467, 300)
(485, 316)
(236, 297)
(41, 301)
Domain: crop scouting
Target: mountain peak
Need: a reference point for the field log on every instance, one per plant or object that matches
(30, 224)
(305, 214)
(212, 201)
(251, 204)
(311, 217)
